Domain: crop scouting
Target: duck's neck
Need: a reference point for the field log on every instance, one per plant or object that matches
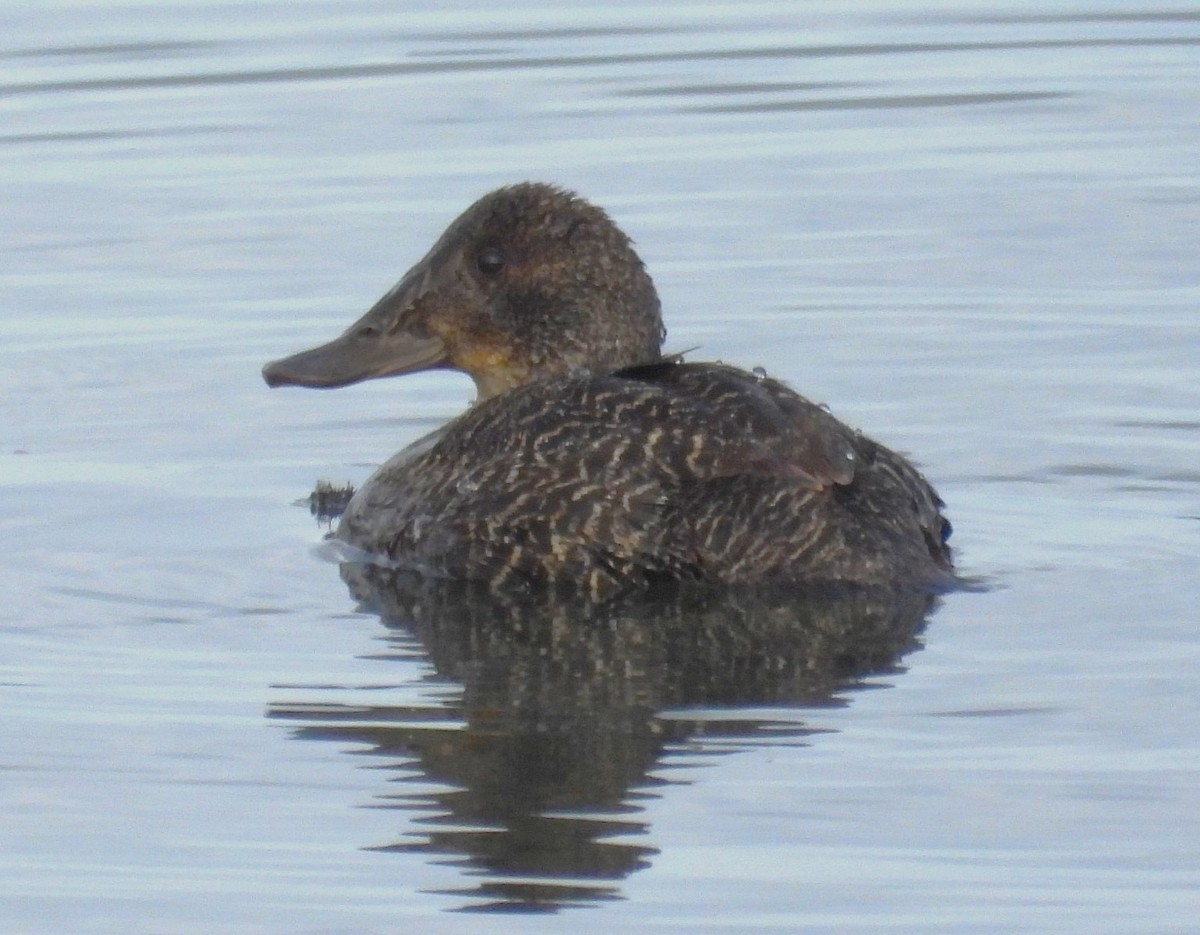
(494, 383)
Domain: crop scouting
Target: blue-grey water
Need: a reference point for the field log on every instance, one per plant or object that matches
(971, 228)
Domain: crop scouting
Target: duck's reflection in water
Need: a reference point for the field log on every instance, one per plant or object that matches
(570, 713)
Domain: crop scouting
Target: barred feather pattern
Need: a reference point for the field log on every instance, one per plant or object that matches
(664, 471)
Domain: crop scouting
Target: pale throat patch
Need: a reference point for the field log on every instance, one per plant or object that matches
(493, 371)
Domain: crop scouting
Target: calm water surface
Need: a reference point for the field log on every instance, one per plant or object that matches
(971, 228)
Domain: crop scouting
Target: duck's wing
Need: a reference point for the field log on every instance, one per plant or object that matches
(664, 471)
(784, 481)
(586, 476)
(746, 423)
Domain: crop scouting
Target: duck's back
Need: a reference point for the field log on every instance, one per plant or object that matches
(665, 471)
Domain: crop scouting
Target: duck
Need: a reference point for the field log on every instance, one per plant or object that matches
(592, 460)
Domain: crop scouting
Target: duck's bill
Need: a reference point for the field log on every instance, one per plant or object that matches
(355, 357)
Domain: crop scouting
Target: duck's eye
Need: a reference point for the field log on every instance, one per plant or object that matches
(490, 260)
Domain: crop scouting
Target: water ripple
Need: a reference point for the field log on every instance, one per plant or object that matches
(1146, 16)
(93, 136)
(114, 49)
(885, 101)
(443, 66)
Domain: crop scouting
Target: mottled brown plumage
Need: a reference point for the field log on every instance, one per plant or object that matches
(589, 460)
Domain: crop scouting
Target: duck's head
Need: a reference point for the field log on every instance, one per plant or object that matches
(529, 282)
